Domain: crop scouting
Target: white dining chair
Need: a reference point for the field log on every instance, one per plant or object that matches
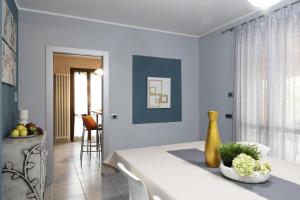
(137, 188)
(264, 150)
(156, 198)
(298, 159)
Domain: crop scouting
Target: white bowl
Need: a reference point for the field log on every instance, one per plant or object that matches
(232, 174)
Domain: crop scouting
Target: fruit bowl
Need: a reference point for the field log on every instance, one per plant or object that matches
(232, 174)
(20, 137)
(25, 131)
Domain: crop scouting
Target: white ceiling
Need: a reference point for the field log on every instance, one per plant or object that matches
(190, 17)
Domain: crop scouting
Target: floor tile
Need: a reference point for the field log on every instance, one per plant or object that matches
(62, 171)
(89, 176)
(123, 190)
(62, 166)
(118, 179)
(97, 186)
(88, 162)
(63, 160)
(77, 197)
(107, 170)
(112, 194)
(59, 191)
(85, 181)
(88, 168)
(94, 196)
(66, 179)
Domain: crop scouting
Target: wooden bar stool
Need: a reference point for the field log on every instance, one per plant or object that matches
(89, 125)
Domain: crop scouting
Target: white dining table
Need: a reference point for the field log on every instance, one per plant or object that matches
(172, 178)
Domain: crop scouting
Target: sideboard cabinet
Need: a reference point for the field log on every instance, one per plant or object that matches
(24, 168)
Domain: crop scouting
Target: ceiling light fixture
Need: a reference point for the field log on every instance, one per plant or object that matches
(263, 3)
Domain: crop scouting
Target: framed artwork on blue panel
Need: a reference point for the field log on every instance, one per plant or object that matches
(156, 90)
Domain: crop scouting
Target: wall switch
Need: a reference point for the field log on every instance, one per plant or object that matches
(16, 97)
(114, 116)
(228, 116)
(230, 94)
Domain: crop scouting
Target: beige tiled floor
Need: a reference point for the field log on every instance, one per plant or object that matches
(73, 181)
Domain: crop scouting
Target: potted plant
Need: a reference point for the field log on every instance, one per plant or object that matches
(242, 162)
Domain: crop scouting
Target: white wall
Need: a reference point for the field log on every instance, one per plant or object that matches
(38, 30)
(216, 80)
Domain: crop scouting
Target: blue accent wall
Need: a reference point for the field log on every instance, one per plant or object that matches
(8, 108)
(9, 114)
(143, 67)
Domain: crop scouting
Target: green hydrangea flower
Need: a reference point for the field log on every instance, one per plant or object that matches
(244, 165)
(257, 165)
(265, 168)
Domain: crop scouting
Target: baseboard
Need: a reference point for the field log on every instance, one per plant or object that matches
(62, 140)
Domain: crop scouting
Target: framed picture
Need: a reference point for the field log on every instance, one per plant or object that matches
(9, 27)
(159, 92)
(9, 65)
(156, 90)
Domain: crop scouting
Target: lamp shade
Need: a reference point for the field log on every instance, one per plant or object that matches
(23, 116)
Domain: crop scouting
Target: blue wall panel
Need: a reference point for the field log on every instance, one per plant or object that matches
(9, 114)
(143, 67)
(8, 108)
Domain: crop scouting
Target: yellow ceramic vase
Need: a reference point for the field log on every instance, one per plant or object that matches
(213, 141)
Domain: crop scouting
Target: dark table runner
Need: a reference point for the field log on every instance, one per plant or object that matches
(274, 189)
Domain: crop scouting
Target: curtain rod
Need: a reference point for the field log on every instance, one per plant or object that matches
(259, 17)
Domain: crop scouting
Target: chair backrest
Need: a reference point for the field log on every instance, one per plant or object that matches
(88, 122)
(264, 150)
(137, 188)
(298, 159)
(156, 198)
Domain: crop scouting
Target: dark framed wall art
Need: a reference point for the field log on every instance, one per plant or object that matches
(156, 90)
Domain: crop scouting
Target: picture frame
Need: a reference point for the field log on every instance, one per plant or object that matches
(9, 27)
(9, 65)
(158, 92)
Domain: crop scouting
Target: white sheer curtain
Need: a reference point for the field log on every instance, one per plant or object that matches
(81, 98)
(96, 94)
(267, 83)
(96, 91)
(80, 101)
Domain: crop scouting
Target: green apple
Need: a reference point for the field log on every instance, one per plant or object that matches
(24, 133)
(15, 133)
(21, 127)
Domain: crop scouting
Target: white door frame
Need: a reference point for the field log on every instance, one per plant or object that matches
(50, 50)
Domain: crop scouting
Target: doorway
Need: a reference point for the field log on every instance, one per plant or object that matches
(49, 101)
(77, 91)
(86, 98)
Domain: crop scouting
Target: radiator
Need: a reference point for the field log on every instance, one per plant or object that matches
(62, 107)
